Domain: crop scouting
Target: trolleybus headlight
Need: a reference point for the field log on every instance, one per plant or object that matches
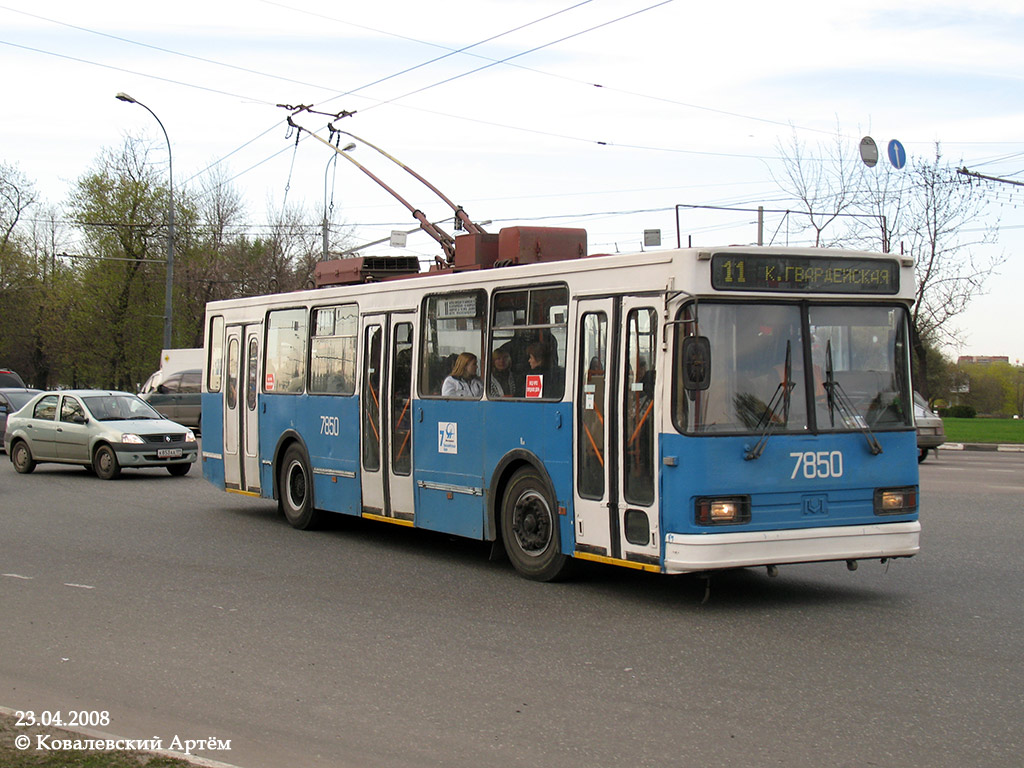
(896, 501)
(133, 439)
(723, 510)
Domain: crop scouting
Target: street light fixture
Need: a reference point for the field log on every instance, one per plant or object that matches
(170, 222)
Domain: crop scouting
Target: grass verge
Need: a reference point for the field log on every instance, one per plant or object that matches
(12, 757)
(984, 430)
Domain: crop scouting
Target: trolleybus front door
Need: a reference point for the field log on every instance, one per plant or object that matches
(386, 410)
(241, 416)
(617, 414)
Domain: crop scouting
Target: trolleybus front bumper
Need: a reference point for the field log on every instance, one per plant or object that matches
(686, 553)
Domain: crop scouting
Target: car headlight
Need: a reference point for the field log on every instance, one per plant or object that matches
(190, 436)
(133, 439)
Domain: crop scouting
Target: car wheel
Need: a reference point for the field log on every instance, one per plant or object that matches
(21, 458)
(295, 490)
(529, 528)
(922, 454)
(104, 463)
(179, 470)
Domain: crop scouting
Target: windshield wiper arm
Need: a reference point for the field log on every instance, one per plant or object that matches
(770, 417)
(838, 400)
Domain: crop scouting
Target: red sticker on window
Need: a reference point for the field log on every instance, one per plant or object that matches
(534, 386)
(269, 384)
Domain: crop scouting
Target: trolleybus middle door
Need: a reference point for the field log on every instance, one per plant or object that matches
(386, 415)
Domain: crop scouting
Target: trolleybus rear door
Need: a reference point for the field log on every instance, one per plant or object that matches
(595, 493)
(232, 464)
(250, 385)
(241, 416)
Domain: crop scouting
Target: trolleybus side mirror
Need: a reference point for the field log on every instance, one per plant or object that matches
(696, 357)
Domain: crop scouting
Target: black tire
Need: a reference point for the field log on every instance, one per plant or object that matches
(104, 463)
(21, 458)
(922, 454)
(529, 528)
(295, 490)
(179, 470)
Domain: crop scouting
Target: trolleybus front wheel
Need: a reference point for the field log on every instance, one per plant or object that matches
(529, 528)
(295, 490)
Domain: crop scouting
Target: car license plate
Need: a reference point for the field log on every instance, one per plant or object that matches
(169, 453)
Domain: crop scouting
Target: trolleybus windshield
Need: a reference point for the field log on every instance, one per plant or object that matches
(857, 352)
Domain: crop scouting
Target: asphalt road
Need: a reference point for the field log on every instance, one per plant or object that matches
(184, 611)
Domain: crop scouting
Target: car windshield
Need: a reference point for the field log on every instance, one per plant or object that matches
(857, 377)
(119, 408)
(18, 399)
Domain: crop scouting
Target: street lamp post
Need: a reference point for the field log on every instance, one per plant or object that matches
(334, 159)
(170, 222)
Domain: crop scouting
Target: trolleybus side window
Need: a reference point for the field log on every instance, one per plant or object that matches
(401, 399)
(232, 373)
(371, 398)
(453, 324)
(216, 360)
(530, 324)
(285, 366)
(590, 403)
(638, 451)
(332, 366)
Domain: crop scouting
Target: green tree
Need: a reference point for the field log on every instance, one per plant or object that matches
(116, 318)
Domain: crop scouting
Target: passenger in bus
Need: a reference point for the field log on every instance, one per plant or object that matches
(537, 357)
(501, 373)
(463, 381)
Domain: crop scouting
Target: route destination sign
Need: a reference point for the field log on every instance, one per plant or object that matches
(804, 274)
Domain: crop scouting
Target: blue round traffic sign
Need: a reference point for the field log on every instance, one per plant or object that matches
(897, 154)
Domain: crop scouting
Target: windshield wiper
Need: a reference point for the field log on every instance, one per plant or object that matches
(838, 400)
(770, 417)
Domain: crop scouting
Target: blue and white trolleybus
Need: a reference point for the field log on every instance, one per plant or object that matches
(674, 411)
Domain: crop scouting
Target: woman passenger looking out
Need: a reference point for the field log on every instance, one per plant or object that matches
(463, 381)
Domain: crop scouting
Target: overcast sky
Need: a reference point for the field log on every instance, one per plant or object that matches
(603, 114)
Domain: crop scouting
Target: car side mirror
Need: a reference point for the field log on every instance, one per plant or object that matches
(696, 359)
(79, 419)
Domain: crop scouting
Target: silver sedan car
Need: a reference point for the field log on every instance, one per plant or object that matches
(100, 429)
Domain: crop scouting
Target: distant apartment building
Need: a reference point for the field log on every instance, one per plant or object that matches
(982, 359)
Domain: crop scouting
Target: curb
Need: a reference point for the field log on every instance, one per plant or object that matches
(1006, 448)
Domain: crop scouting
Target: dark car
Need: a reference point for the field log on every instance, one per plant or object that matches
(177, 397)
(11, 400)
(9, 378)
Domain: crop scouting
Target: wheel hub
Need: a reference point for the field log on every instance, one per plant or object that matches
(531, 524)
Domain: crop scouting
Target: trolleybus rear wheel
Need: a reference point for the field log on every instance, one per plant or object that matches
(529, 528)
(295, 490)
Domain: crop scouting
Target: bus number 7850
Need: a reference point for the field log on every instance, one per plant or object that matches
(820, 464)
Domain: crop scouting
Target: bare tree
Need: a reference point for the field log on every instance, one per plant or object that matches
(926, 211)
(825, 185)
